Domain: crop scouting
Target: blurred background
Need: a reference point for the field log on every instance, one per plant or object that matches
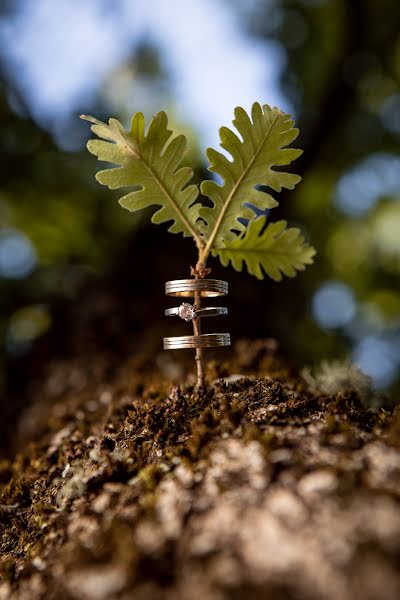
(77, 272)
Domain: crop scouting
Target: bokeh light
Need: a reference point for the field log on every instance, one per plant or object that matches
(376, 357)
(359, 189)
(25, 325)
(387, 231)
(333, 305)
(390, 113)
(17, 254)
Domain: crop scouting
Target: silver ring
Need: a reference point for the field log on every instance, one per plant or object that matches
(188, 287)
(206, 340)
(187, 312)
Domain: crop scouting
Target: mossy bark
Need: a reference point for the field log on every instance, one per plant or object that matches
(124, 487)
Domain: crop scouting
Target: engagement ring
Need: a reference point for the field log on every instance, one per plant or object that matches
(187, 312)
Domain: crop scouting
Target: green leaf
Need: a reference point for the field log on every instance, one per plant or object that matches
(150, 163)
(262, 147)
(276, 250)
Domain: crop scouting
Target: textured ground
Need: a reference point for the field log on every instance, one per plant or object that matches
(126, 487)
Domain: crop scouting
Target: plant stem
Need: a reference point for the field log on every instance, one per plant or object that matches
(200, 385)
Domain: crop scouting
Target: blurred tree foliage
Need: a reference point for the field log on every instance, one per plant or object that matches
(342, 78)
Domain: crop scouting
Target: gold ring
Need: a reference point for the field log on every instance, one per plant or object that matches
(188, 287)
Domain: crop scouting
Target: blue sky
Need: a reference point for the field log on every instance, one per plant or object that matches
(61, 52)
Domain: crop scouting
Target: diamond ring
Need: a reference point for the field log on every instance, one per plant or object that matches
(187, 312)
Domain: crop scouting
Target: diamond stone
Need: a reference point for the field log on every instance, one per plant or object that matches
(186, 311)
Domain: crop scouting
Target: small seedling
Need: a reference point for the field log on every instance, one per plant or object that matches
(150, 163)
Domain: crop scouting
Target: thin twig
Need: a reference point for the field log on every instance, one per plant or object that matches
(199, 351)
(199, 272)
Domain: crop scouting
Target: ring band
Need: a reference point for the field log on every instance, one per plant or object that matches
(188, 313)
(206, 340)
(188, 287)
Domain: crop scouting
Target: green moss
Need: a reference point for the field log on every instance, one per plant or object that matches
(7, 570)
(149, 477)
(17, 491)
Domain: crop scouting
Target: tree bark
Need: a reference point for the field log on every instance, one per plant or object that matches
(262, 487)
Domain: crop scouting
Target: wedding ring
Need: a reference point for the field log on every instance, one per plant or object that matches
(206, 340)
(187, 312)
(188, 287)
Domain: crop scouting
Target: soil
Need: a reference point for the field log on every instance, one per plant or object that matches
(124, 485)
